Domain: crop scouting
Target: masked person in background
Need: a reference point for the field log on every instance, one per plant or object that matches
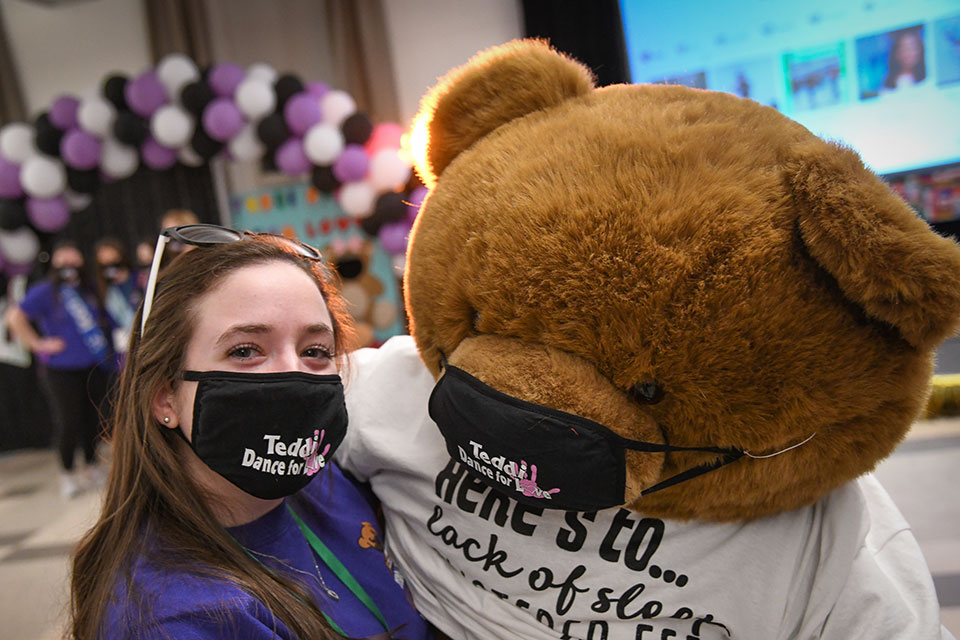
(224, 516)
(118, 288)
(74, 354)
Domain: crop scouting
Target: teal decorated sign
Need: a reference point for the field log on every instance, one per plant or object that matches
(370, 279)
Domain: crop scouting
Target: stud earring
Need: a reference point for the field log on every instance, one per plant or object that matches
(166, 420)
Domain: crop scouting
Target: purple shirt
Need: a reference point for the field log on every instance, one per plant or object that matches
(188, 606)
(48, 311)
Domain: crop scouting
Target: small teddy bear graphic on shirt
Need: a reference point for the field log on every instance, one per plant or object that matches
(369, 538)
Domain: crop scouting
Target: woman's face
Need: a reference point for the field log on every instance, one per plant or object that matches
(262, 318)
(67, 257)
(909, 49)
(110, 261)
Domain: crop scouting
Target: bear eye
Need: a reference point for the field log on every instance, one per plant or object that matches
(475, 320)
(647, 392)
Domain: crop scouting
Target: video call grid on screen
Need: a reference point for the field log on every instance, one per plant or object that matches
(882, 76)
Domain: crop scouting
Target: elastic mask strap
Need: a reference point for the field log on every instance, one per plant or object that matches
(694, 472)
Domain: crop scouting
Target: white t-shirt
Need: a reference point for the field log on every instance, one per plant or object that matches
(480, 565)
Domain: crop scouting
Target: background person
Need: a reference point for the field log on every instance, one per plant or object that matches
(198, 537)
(74, 351)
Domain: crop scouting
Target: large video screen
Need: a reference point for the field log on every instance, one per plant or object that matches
(882, 76)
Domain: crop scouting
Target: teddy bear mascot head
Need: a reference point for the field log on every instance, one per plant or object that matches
(651, 304)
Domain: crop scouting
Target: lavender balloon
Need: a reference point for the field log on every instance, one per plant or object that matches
(10, 186)
(145, 94)
(225, 77)
(156, 156)
(291, 158)
(393, 237)
(318, 89)
(81, 150)
(48, 214)
(415, 201)
(63, 112)
(352, 165)
(222, 119)
(301, 112)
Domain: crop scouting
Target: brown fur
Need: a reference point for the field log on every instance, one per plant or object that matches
(768, 282)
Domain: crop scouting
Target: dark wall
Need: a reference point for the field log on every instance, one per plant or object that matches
(591, 32)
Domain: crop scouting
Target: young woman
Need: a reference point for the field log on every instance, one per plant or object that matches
(73, 348)
(119, 292)
(224, 515)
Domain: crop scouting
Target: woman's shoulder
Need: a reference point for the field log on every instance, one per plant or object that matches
(158, 601)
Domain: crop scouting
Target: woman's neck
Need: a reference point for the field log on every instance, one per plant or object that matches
(230, 505)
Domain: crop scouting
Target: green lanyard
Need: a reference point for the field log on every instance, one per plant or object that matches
(340, 571)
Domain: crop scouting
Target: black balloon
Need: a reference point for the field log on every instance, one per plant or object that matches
(83, 181)
(287, 86)
(13, 214)
(196, 96)
(324, 180)
(48, 136)
(268, 163)
(130, 129)
(114, 90)
(205, 146)
(273, 131)
(391, 207)
(356, 129)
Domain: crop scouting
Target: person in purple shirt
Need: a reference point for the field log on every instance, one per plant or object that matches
(224, 514)
(74, 354)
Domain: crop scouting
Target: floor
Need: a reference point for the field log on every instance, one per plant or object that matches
(38, 528)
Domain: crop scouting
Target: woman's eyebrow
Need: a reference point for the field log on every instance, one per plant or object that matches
(242, 328)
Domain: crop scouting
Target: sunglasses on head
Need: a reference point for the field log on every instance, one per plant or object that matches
(208, 235)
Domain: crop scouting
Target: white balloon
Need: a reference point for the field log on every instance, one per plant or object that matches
(357, 198)
(43, 177)
(172, 126)
(96, 114)
(77, 201)
(118, 160)
(16, 142)
(388, 170)
(175, 71)
(189, 157)
(262, 71)
(336, 106)
(255, 98)
(323, 144)
(246, 146)
(19, 246)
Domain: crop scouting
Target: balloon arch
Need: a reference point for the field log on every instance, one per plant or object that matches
(178, 113)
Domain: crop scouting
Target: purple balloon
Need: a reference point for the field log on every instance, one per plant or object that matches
(352, 165)
(318, 89)
(63, 112)
(222, 119)
(301, 112)
(291, 158)
(145, 94)
(225, 77)
(10, 186)
(80, 150)
(156, 156)
(48, 214)
(393, 237)
(417, 196)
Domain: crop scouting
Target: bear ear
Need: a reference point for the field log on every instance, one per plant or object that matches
(883, 257)
(494, 87)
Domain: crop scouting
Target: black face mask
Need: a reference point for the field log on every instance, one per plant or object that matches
(540, 456)
(267, 433)
(68, 275)
(112, 272)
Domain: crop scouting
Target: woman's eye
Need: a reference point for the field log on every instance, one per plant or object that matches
(243, 351)
(318, 352)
